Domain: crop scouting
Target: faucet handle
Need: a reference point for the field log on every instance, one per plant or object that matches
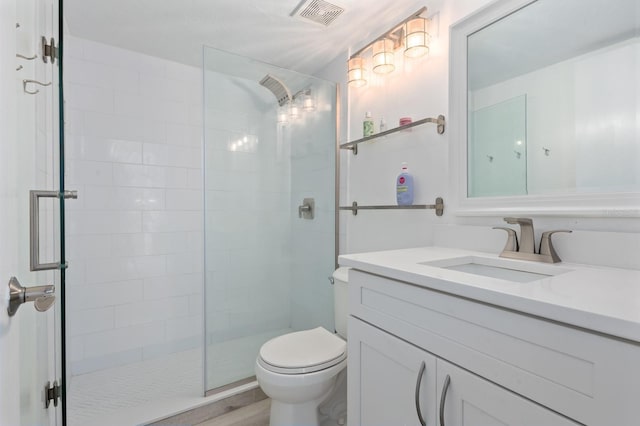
(512, 239)
(546, 247)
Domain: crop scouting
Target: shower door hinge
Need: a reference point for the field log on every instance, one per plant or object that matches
(49, 50)
(52, 393)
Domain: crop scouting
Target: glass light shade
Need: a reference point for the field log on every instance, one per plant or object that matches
(308, 104)
(383, 56)
(355, 75)
(416, 39)
(283, 115)
(294, 110)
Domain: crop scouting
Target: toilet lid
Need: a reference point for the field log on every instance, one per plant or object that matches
(303, 349)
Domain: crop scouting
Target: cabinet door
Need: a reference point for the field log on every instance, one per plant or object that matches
(470, 400)
(385, 374)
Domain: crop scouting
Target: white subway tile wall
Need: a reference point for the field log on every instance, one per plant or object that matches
(256, 175)
(312, 170)
(134, 244)
(247, 219)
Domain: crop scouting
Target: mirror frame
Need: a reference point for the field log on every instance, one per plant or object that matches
(612, 205)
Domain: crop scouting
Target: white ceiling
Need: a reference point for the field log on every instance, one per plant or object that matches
(260, 29)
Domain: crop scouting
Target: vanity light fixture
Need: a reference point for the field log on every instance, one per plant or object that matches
(383, 56)
(416, 38)
(411, 34)
(355, 73)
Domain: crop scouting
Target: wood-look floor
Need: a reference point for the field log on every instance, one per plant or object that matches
(256, 414)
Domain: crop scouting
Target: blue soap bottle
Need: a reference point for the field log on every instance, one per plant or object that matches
(404, 187)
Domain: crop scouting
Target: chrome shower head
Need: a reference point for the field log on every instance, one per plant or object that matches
(277, 87)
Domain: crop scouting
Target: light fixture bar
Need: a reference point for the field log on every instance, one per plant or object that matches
(390, 33)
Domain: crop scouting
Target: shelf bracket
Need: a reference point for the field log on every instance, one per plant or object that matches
(352, 148)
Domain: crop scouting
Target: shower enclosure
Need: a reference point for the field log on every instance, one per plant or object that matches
(136, 303)
(269, 191)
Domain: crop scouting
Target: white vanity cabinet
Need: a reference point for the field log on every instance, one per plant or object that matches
(472, 401)
(396, 380)
(505, 367)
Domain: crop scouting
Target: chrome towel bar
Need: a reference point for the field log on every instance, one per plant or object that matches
(438, 207)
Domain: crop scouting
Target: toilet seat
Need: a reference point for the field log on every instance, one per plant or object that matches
(303, 352)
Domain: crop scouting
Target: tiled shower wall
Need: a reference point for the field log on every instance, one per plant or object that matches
(266, 268)
(247, 210)
(134, 235)
(313, 169)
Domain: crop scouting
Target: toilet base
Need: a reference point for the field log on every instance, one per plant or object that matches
(283, 414)
(333, 411)
(328, 410)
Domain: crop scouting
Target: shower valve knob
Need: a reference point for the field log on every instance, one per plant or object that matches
(307, 208)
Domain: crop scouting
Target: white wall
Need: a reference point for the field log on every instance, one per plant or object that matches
(418, 88)
(134, 243)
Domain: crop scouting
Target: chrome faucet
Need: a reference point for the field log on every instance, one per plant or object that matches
(526, 249)
(527, 238)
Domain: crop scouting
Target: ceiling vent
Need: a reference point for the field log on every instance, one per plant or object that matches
(318, 11)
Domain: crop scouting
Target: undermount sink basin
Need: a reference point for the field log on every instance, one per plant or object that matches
(516, 271)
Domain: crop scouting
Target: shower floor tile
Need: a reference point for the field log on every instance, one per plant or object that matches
(136, 392)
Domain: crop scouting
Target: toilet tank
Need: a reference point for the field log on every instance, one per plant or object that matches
(341, 300)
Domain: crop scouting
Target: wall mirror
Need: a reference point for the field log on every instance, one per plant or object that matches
(545, 108)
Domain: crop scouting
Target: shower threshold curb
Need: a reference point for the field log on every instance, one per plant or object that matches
(217, 408)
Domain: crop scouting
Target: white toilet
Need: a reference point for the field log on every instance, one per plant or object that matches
(301, 370)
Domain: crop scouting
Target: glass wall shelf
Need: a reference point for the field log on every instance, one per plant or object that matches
(353, 145)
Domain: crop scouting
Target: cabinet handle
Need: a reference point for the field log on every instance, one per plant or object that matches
(443, 398)
(423, 367)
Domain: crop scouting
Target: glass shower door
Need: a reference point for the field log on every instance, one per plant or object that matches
(269, 187)
(36, 154)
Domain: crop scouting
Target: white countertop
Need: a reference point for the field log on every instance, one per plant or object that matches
(605, 300)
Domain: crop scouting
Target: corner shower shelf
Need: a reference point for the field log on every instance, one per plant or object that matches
(353, 145)
(438, 207)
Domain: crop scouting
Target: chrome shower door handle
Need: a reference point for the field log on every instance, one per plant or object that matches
(34, 227)
(42, 296)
